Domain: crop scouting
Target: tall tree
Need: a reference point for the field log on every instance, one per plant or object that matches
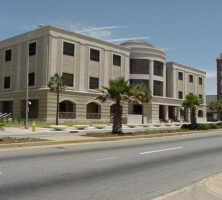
(119, 91)
(216, 105)
(143, 94)
(57, 85)
(193, 103)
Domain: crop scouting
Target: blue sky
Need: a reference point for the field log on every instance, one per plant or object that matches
(189, 31)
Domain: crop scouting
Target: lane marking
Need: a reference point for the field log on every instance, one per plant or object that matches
(110, 158)
(160, 150)
(0, 173)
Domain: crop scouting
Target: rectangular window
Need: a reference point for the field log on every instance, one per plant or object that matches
(32, 49)
(31, 79)
(7, 82)
(180, 95)
(180, 75)
(68, 79)
(139, 66)
(158, 68)
(191, 78)
(139, 81)
(200, 81)
(93, 83)
(200, 96)
(94, 55)
(158, 88)
(116, 60)
(8, 55)
(68, 49)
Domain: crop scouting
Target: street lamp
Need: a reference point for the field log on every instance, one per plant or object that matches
(27, 81)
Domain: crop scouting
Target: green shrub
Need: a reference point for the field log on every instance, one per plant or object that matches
(202, 126)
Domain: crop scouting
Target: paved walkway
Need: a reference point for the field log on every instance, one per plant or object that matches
(208, 189)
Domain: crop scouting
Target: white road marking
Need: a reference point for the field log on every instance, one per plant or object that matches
(160, 150)
(0, 173)
(110, 158)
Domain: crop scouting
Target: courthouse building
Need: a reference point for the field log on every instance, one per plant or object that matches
(87, 64)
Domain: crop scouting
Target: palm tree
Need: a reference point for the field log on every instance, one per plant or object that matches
(192, 102)
(143, 94)
(57, 85)
(119, 91)
(216, 105)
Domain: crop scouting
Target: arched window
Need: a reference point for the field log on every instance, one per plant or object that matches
(93, 111)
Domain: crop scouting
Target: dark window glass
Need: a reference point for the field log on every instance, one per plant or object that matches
(158, 68)
(94, 55)
(200, 113)
(7, 82)
(137, 109)
(68, 49)
(31, 79)
(68, 79)
(32, 49)
(93, 83)
(200, 81)
(180, 75)
(139, 66)
(116, 60)
(191, 78)
(200, 96)
(180, 95)
(8, 55)
(139, 81)
(158, 88)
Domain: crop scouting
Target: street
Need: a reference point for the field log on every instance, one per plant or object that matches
(126, 170)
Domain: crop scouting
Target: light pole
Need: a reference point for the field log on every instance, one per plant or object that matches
(27, 81)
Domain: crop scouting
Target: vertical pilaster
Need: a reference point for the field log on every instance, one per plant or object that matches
(151, 76)
(166, 113)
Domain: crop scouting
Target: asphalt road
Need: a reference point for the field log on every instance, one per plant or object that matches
(130, 170)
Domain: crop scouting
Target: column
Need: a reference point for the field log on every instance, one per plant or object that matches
(166, 113)
(164, 79)
(178, 114)
(151, 76)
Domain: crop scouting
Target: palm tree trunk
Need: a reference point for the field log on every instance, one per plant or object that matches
(193, 118)
(57, 108)
(117, 118)
(142, 115)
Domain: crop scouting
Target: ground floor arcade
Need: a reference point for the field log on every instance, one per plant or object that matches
(83, 107)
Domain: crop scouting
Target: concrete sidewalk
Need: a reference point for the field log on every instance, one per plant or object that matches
(208, 189)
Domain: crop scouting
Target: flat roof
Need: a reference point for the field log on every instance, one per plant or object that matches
(187, 67)
(68, 32)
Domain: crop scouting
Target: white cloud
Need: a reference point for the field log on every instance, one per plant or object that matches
(211, 74)
(128, 38)
(104, 32)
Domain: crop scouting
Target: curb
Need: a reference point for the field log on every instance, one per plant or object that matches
(210, 190)
(102, 139)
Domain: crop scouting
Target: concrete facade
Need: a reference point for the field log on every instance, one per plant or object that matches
(135, 60)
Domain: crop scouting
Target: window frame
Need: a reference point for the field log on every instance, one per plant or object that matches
(66, 82)
(93, 57)
(200, 81)
(156, 68)
(6, 57)
(90, 83)
(32, 73)
(69, 51)
(118, 63)
(180, 78)
(191, 75)
(138, 66)
(180, 94)
(34, 51)
(5, 82)
(155, 93)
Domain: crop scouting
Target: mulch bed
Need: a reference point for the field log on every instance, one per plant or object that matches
(134, 133)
